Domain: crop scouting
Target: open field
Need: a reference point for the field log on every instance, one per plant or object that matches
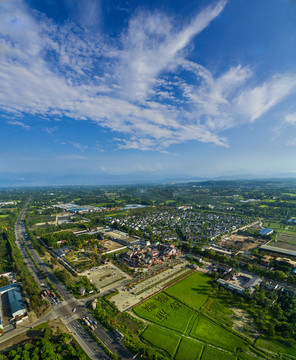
(184, 308)
(211, 353)
(165, 310)
(214, 308)
(189, 350)
(277, 226)
(277, 347)
(285, 241)
(212, 333)
(193, 291)
(161, 338)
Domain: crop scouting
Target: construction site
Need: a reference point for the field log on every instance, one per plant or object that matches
(241, 243)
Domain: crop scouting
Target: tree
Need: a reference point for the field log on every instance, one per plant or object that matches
(279, 275)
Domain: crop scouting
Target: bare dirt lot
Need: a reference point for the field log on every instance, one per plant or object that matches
(243, 323)
(110, 245)
(241, 243)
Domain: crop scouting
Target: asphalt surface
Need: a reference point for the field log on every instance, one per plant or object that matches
(63, 310)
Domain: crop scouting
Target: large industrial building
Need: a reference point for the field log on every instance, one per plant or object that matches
(16, 303)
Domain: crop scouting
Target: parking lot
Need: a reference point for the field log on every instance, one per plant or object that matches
(107, 277)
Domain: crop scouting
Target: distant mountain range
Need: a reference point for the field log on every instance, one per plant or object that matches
(43, 179)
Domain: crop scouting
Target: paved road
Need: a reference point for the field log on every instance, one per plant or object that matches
(64, 309)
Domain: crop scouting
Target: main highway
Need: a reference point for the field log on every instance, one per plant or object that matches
(63, 309)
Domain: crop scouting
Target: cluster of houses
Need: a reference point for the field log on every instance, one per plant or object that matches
(145, 257)
(195, 225)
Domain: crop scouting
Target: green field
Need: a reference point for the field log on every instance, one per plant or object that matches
(162, 338)
(212, 333)
(166, 311)
(192, 334)
(211, 353)
(277, 347)
(214, 308)
(189, 350)
(193, 291)
(273, 225)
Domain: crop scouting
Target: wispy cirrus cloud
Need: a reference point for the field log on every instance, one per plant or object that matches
(151, 45)
(19, 123)
(254, 102)
(141, 86)
(71, 157)
(291, 142)
(78, 145)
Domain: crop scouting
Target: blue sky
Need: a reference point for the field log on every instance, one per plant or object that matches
(170, 88)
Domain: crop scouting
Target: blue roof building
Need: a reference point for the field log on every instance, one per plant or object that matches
(266, 232)
(16, 303)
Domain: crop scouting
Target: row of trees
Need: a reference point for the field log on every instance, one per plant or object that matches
(20, 269)
(72, 285)
(47, 347)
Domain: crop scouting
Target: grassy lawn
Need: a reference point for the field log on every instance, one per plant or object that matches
(249, 357)
(162, 338)
(218, 311)
(277, 347)
(274, 225)
(189, 350)
(212, 333)
(194, 290)
(215, 354)
(166, 311)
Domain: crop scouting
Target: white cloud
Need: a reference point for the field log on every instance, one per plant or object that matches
(291, 118)
(253, 103)
(291, 142)
(71, 157)
(136, 88)
(18, 123)
(78, 145)
(152, 45)
(50, 130)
